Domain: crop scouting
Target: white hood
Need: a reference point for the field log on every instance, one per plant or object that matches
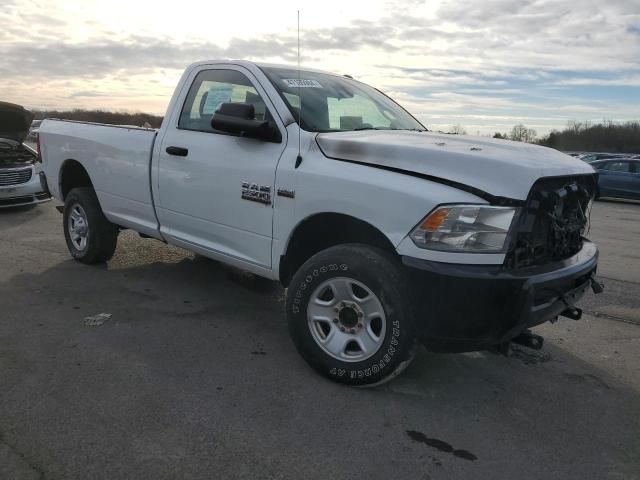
(499, 167)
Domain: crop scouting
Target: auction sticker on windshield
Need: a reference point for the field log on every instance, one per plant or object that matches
(301, 83)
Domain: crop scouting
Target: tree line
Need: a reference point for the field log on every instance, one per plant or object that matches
(519, 133)
(102, 116)
(606, 136)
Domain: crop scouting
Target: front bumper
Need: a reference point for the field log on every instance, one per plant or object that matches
(31, 192)
(472, 307)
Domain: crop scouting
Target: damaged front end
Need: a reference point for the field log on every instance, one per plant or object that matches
(552, 223)
(551, 228)
(548, 268)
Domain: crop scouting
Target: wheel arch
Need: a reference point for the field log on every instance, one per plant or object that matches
(323, 230)
(72, 175)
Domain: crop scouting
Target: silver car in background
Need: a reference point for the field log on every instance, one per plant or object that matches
(34, 130)
(22, 181)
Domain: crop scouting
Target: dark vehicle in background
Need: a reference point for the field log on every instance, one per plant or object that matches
(22, 181)
(618, 177)
(592, 157)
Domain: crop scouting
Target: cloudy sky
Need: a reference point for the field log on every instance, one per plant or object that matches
(486, 65)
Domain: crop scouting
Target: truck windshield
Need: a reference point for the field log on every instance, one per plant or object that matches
(333, 103)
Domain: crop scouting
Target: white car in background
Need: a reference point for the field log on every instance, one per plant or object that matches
(22, 181)
(34, 129)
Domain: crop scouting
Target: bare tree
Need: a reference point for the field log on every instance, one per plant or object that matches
(457, 130)
(575, 126)
(531, 135)
(520, 133)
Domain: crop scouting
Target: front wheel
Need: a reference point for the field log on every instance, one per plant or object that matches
(90, 237)
(350, 316)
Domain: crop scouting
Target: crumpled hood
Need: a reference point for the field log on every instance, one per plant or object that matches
(14, 121)
(500, 168)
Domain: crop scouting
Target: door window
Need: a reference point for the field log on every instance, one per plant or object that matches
(617, 167)
(209, 90)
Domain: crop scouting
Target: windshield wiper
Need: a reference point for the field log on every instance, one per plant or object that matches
(387, 128)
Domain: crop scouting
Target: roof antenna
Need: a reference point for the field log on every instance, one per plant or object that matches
(299, 157)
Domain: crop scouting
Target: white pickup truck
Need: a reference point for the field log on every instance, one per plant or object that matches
(386, 235)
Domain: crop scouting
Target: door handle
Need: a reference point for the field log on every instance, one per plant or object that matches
(177, 151)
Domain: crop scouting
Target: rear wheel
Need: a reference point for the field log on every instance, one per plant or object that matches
(90, 237)
(350, 316)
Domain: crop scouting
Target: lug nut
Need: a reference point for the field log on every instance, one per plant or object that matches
(360, 314)
(335, 320)
(359, 325)
(336, 309)
(352, 330)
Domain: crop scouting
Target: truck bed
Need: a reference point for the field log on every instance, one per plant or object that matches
(117, 158)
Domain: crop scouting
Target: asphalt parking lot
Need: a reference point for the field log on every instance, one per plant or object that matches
(194, 376)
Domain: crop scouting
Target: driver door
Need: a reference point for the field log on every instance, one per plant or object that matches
(204, 175)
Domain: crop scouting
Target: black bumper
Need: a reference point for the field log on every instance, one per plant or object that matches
(472, 307)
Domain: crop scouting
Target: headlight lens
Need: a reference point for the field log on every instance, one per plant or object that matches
(465, 228)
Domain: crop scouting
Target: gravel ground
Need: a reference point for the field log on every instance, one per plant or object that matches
(194, 376)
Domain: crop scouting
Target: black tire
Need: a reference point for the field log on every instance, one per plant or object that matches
(382, 275)
(101, 234)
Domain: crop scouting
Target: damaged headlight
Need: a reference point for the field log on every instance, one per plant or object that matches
(465, 228)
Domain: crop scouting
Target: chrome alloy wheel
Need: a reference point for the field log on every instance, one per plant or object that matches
(78, 227)
(346, 319)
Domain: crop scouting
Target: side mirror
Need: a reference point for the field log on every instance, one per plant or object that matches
(240, 119)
